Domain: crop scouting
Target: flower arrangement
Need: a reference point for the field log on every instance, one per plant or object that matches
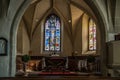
(91, 59)
(25, 58)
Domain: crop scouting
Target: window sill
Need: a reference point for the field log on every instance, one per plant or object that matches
(89, 52)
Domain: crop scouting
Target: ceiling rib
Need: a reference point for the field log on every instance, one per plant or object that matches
(26, 27)
(48, 11)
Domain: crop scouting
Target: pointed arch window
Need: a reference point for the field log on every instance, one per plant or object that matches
(52, 33)
(92, 35)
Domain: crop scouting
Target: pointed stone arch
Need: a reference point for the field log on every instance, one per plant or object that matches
(103, 28)
(17, 18)
(14, 26)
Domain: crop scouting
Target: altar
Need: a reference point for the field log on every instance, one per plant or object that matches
(55, 63)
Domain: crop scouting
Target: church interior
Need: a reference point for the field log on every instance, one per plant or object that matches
(58, 38)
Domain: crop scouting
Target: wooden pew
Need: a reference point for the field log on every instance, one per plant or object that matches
(61, 78)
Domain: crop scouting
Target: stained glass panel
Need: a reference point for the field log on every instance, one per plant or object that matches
(92, 35)
(52, 33)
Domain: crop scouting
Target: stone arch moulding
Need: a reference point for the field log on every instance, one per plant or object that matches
(102, 26)
(62, 19)
(15, 24)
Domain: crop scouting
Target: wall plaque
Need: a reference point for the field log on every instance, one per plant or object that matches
(3, 46)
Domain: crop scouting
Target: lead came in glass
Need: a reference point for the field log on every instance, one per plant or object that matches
(92, 35)
(52, 33)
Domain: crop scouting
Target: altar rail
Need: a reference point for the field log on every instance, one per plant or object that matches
(76, 63)
(80, 63)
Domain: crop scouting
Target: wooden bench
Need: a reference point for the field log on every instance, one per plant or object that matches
(61, 78)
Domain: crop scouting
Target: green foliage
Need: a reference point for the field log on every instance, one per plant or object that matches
(25, 58)
(91, 59)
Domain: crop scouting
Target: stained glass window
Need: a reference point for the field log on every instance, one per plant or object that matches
(92, 35)
(52, 33)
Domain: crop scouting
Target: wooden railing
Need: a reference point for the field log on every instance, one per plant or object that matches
(81, 64)
(76, 63)
(60, 78)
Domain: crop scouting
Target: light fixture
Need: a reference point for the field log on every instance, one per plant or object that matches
(69, 21)
(36, 20)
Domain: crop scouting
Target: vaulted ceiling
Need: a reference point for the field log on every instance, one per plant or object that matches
(68, 10)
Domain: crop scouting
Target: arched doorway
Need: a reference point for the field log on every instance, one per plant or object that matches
(15, 26)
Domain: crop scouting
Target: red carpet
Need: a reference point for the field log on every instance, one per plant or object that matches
(53, 74)
(57, 73)
(67, 73)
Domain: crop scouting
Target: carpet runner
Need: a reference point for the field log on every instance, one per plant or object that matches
(57, 73)
(53, 73)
